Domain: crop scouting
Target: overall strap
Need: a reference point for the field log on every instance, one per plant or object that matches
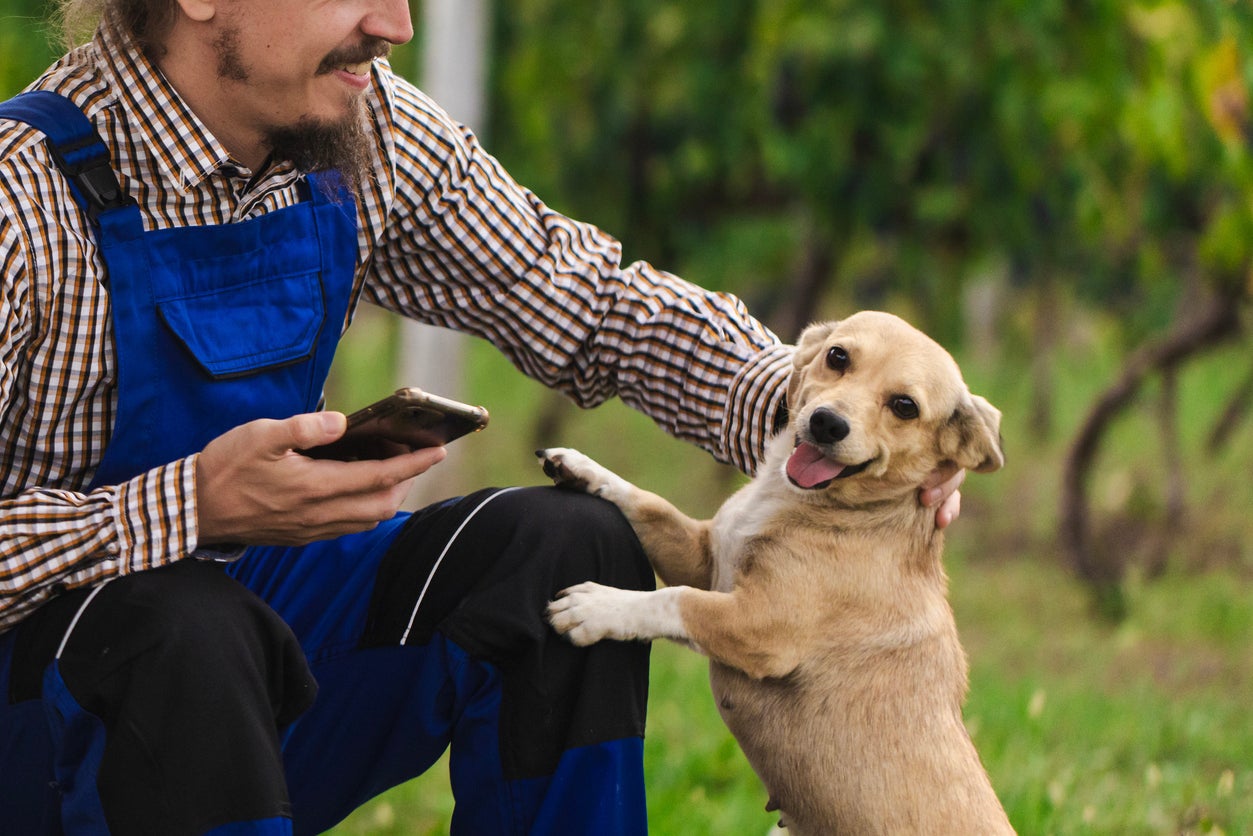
(78, 150)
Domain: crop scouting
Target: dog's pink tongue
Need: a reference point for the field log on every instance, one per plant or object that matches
(808, 468)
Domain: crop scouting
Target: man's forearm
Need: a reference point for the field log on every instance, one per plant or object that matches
(55, 539)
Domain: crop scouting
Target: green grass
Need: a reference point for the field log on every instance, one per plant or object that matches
(1090, 728)
(1085, 727)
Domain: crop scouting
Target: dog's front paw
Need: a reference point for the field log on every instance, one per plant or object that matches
(571, 469)
(589, 612)
(564, 466)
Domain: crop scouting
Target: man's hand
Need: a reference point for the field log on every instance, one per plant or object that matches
(939, 491)
(253, 487)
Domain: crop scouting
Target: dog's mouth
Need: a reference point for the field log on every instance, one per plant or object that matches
(809, 468)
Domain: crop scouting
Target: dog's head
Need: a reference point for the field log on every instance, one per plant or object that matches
(876, 405)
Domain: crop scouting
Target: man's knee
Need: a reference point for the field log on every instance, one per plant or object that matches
(573, 537)
(169, 690)
(506, 552)
(187, 627)
(555, 696)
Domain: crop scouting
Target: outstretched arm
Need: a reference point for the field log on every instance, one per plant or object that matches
(468, 248)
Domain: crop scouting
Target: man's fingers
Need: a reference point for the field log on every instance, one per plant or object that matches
(940, 485)
(940, 491)
(251, 487)
(949, 510)
(378, 475)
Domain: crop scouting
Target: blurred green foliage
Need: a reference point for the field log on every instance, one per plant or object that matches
(1099, 145)
(1103, 144)
(27, 43)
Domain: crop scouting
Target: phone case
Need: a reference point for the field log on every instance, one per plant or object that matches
(408, 419)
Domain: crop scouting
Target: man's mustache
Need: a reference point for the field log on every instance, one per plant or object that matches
(367, 50)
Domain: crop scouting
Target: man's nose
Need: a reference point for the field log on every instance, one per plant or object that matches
(389, 20)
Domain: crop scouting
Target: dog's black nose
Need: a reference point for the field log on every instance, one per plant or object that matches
(827, 427)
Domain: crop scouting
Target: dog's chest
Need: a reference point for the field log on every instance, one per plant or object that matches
(744, 516)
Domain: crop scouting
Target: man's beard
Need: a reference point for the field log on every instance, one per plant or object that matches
(315, 144)
(320, 145)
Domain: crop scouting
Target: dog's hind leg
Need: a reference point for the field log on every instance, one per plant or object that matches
(677, 545)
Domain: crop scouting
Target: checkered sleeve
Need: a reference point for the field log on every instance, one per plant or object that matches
(53, 537)
(468, 248)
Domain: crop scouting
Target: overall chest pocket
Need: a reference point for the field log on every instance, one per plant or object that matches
(251, 326)
(242, 298)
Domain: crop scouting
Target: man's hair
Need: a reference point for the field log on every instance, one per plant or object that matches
(144, 20)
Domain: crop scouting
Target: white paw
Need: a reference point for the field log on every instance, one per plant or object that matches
(588, 612)
(570, 468)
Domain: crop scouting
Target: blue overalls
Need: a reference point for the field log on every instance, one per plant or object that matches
(410, 635)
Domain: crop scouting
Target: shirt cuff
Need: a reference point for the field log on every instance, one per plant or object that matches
(754, 403)
(156, 516)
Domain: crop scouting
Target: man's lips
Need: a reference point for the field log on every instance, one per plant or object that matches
(355, 72)
(356, 67)
(809, 468)
(352, 77)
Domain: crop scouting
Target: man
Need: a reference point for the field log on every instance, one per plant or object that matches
(201, 629)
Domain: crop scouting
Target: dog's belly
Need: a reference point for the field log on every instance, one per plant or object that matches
(820, 752)
(832, 758)
(790, 744)
(755, 711)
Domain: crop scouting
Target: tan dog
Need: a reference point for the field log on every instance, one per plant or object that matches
(817, 590)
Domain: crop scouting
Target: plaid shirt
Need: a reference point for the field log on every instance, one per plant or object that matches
(445, 236)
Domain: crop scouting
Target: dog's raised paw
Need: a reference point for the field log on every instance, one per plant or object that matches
(555, 461)
(571, 469)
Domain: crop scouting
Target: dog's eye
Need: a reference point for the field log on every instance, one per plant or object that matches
(837, 358)
(903, 407)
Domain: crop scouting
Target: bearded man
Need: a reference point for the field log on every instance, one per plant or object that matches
(203, 630)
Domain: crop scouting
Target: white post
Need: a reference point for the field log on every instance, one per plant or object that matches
(453, 73)
(454, 66)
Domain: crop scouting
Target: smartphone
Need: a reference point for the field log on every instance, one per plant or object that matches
(406, 420)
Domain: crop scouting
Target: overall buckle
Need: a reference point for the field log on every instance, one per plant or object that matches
(88, 168)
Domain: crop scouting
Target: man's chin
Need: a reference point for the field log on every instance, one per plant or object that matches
(320, 144)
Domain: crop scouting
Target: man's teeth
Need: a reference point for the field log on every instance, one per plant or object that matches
(358, 69)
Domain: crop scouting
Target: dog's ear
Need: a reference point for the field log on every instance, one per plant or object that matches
(810, 342)
(807, 347)
(972, 436)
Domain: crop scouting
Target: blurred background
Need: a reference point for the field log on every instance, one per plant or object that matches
(1060, 191)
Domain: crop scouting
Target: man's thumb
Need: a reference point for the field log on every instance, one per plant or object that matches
(313, 429)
